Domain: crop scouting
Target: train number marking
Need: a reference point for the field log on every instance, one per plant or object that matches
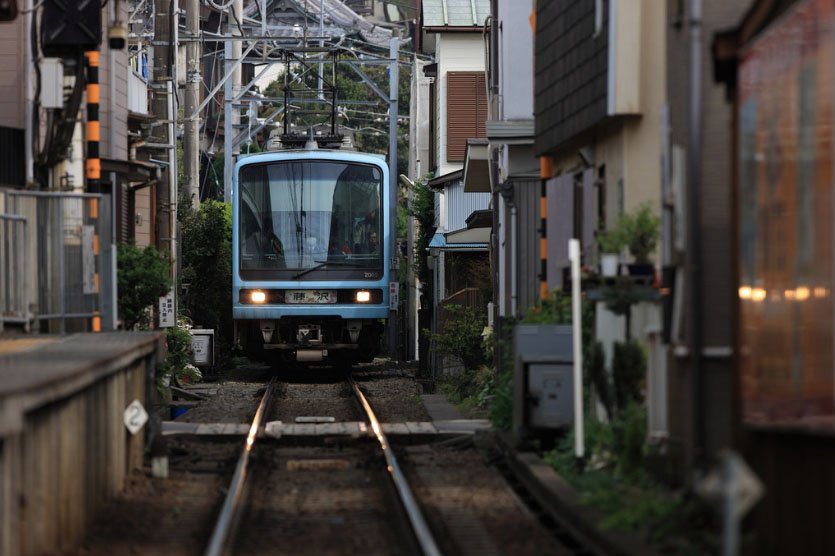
(135, 416)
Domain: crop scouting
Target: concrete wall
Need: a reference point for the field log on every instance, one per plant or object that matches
(113, 86)
(516, 72)
(64, 448)
(629, 147)
(419, 129)
(642, 137)
(144, 217)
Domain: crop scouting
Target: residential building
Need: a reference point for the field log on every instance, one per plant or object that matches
(599, 98)
(505, 164)
(769, 252)
(702, 383)
(452, 32)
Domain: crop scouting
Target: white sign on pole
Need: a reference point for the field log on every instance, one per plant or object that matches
(394, 295)
(732, 478)
(88, 260)
(135, 416)
(577, 333)
(166, 310)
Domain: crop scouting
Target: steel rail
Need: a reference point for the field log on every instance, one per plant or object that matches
(230, 504)
(418, 523)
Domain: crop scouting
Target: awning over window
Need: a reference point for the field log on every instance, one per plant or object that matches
(476, 167)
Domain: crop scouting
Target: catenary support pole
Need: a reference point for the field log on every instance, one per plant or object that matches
(394, 47)
(231, 116)
(191, 137)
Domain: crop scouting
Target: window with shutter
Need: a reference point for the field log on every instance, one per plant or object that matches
(466, 111)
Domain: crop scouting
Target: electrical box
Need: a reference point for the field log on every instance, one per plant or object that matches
(203, 347)
(52, 83)
(550, 395)
(543, 378)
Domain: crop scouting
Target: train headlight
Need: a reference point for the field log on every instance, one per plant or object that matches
(257, 296)
(363, 296)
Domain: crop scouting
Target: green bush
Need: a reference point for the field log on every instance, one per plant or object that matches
(501, 404)
(460, 335)
(611, 240)
(599, 377)
(470, 389)
(177, 363)
(555, 309)
(207, 268)
(629, 371)
(142, 278)
(641, 230)
(611, 478)
(178, 341)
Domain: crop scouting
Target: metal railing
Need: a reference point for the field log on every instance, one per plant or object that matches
(61, 270)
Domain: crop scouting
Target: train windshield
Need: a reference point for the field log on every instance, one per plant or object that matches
(304, 214)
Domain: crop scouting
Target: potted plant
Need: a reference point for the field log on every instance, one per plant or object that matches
(610, 243)
(640, 230)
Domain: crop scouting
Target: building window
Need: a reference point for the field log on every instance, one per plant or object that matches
(466, 111)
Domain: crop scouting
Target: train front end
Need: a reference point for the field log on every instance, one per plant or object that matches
(310, 242)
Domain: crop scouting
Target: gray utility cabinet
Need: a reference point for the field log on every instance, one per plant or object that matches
(543, 378)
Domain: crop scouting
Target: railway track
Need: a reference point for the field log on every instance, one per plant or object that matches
(231, 534)
(314, 473)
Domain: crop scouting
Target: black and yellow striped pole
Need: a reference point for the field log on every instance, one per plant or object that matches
(92, 167)
(93, 164)
(545, 170)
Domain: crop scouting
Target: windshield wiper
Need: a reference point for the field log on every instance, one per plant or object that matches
(320, 265)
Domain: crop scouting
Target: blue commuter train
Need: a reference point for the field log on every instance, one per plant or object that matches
(310, 241)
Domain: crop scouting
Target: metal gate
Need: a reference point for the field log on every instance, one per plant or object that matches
(58, 271)
(13, 283)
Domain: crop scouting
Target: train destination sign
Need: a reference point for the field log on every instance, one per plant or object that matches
(310, 296)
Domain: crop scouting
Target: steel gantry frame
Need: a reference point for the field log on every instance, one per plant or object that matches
(252, 40)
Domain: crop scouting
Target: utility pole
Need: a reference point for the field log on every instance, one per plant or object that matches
(322, 46)
(394, 49)
(163, 109)
(191, 137)
(231, 116)
(159, 108)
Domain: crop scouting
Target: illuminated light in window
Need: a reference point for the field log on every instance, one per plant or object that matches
(758, 294)
(802, 293)
(745, 292)
(363, 296)
(258, 296)
(789, 294)
(821, 292)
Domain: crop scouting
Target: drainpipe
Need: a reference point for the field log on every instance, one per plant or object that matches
(28, 72)
(694, 243)
(513, 243)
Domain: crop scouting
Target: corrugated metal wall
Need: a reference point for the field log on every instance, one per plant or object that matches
(526, 198)
(12, 45)
(460, 205)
